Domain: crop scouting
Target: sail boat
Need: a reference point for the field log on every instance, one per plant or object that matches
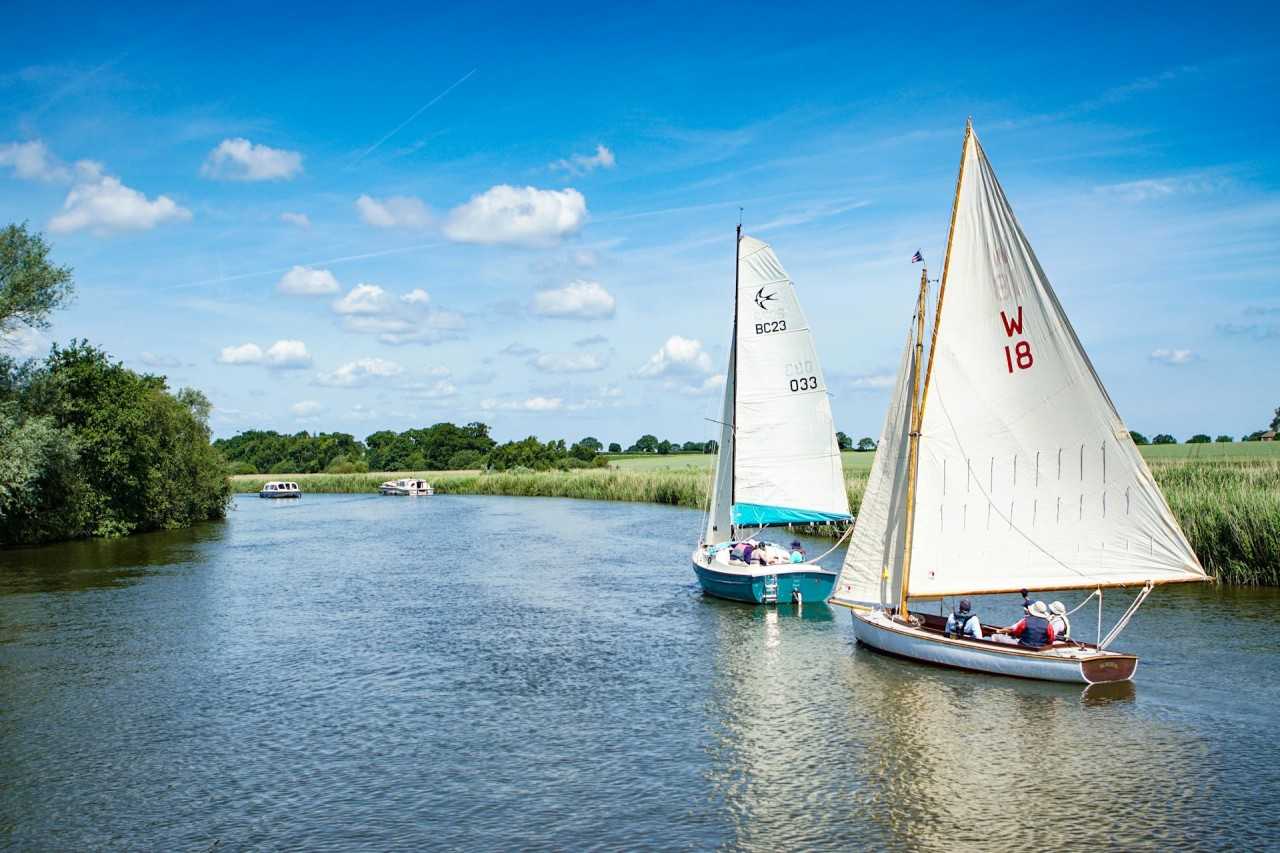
(778, 460)
(1006, 468)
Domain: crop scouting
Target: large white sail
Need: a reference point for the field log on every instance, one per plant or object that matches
(1027, 475)
(871, 573)
(787, 462)
(720, 518)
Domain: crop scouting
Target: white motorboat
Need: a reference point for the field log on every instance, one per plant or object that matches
(280, 489)
(1008, 468)
(406, 486)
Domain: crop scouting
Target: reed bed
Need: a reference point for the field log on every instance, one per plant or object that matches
(1229, 508)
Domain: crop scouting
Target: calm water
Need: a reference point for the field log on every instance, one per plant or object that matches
(373, 673)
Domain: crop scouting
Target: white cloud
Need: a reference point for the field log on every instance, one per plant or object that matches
(531, 404)
(242, 160)
(1173, 357)
(583, 300)
(363, 299)
(32, 161)
(871, 381)
(417, 296)
(398, 211)
(711, 385)
(23, 342)
(306, 409)
(1159, 188)
(299, 219)
(580, 164)
(523, 216)
(569, 362)
(439, 389)
(102, 204)
(591, 341)
(678, 356)
(150, 359)
(282, 355)
(305, 281)
(359, 372)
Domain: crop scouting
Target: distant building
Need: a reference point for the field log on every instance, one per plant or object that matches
(1269, 435)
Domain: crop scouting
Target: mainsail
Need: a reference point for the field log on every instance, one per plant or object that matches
(1027, 477)
(781, 445)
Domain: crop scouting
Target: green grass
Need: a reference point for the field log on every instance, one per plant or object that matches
(1228, 503)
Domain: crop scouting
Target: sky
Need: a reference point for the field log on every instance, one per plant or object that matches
(338, 218)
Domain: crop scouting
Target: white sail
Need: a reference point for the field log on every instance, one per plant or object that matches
(787, 462)
(871, 575)
(720, 518)
(1027, 476)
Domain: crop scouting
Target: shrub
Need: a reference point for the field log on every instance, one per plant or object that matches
(237, 468)
(1224, 439)
(465, 460)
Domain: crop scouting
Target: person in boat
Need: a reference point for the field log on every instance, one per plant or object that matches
(1033, 629)
(797, 552)
(1058, 620)
(963, 622)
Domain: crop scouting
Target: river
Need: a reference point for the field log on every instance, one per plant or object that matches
(358, 672)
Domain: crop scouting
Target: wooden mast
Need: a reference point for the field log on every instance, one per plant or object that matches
(733, 363)
(913, 454)
(920, 396)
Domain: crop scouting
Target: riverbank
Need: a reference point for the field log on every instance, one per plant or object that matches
(1228, 506)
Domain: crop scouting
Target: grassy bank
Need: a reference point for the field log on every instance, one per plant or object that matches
(1229, 505)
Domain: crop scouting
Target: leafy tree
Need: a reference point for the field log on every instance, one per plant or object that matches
(664, 447)
(31, 285)
(530, 453)
(1275, 422)
(1199, 438)
(585, 450)
(1253, 436)
(691, 447)
(865, 444)
(646, 444)
(591, 443)
(1138, 438)
(843, 441)
(614, 447)
(1164, 438)
(466, 460)
(711, 446)
(1224, 439)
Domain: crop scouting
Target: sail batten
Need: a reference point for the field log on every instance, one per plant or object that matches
(1010, 388)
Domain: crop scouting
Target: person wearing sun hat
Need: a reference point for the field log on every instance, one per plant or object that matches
(1033, 629)
(1058, 620)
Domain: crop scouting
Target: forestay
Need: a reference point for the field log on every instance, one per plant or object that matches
(1027, 475)
(786, 460)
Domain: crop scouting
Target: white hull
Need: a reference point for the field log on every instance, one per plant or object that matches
(1073, 664)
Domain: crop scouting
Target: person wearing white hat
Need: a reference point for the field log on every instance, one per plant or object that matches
(1033, 629)
(1059, 621)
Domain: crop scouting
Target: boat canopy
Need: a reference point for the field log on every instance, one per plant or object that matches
(779, 462)
(1026, 475)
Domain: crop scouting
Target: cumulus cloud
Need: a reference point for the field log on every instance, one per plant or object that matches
(397, 211)
(521, 216)
(417, 296)
(363, 299)
(101, 204)
(282, 355)
(305, 281)
(711, 385)
(370, 309)
(678, 356)
(569, 362)
(242, 160)
(299, 219)
(437, 390)
(582, 300)
(530, 404)
(306, 409)
(580, 164)
(33, 161)
(360, 372)
(1173, 357)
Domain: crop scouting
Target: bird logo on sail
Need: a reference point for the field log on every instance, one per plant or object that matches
(763, 299)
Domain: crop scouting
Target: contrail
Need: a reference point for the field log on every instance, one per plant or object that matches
(417, 113)
(281, 270)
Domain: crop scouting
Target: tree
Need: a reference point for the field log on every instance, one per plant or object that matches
(1164, 438)
(1224, 439)
(1199, 438)
(843, 441)
(592, 443)
(614, 447)
(712, 446)
(692, 447)
(1138, 438)
(1253, 436)
(865, 444)
(664, 447)
(31, 286)
(646, 444)
(585, 450)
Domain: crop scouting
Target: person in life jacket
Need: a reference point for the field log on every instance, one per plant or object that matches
(963, 622)
(1034, 628)
(1058, 619)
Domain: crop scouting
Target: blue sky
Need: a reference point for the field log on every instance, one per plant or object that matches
(343, 219)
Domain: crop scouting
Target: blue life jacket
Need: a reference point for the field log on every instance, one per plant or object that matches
(1035, 632)
(960, 621)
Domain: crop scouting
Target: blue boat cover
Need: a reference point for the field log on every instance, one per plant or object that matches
(759, 515)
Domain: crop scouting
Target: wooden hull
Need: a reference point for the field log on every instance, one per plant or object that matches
(1076, 663)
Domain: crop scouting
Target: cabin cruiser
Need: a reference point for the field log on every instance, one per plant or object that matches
(279, 489)
(406, 486)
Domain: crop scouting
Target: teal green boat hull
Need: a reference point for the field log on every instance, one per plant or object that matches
(812, 585)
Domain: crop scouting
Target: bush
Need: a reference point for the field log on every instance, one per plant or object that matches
(344, 465)
(570, 462)
(1224, 439)
(286, 466)
(600, 462)
(465, 460)
(236, 468)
